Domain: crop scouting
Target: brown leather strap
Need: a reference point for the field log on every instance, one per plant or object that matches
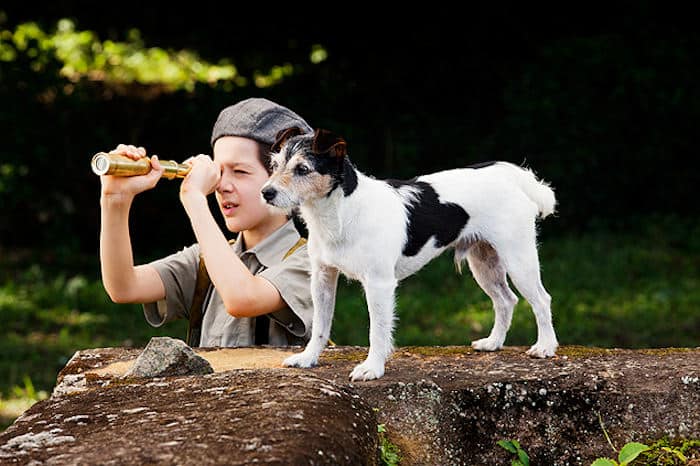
(194, 329)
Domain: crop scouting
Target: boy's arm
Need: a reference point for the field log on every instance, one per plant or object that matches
(243, 294)
(124, 282)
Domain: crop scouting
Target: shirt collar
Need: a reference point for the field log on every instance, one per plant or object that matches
(272, 249)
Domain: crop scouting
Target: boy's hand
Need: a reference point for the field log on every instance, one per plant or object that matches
(131, 185)
(202, 178)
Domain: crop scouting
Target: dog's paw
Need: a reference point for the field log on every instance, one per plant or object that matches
(367, 371)
(487, 344)
(302, 359)
(541, 351)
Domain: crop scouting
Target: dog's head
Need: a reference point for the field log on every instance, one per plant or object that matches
(306, 167)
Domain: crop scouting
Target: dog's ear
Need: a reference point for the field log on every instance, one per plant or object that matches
(283, 135)
(328, 142)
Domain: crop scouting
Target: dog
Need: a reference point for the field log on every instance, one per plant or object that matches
(381, 231)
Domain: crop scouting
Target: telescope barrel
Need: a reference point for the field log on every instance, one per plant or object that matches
(120, 165)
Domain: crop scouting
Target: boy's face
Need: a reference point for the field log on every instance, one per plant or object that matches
(242, 177)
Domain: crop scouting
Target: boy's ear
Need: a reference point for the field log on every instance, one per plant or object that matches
(328, 142)
(283, 135)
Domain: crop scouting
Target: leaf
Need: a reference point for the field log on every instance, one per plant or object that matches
(522, 456)
(604, 462)
(630, 451)
(508, 445)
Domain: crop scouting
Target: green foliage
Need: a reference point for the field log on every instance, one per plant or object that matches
(665, 452)
(20, 399)
(513, 446)
(661, 453)
(627, 454)
(389, 453)
(84, 56)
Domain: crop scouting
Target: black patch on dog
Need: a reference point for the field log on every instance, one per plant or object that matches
(340, 170)
(349, 182)
(428, 217)
(481, 165)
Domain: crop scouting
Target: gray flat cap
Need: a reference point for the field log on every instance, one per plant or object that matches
(256, 118)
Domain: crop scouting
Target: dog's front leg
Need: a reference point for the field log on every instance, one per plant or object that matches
(380, 301)
(324, 283)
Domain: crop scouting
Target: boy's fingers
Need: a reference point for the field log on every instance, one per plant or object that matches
(130, 151)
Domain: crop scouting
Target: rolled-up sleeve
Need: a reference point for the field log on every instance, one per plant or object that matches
(178, 272)
(292, 279)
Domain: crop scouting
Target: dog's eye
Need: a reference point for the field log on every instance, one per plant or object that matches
(274, 165)
(301, 170)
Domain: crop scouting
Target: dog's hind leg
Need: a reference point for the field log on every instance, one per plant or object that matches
(379, 293)
(324, 284)
(490, 273)
(523, 267)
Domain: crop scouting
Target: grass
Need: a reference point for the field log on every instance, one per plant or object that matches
(631, 290)
(47, 317)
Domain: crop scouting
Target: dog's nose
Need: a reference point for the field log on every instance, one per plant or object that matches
(269, 193)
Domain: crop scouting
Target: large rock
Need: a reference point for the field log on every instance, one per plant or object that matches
(439, 405)
(165, 357)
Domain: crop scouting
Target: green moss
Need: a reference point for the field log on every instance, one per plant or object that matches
(344, 354)
(355, 354)
(575, 351)
(665, 351)
(667, 452)
(435, 350)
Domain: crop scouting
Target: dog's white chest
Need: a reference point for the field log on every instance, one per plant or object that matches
(350, 259)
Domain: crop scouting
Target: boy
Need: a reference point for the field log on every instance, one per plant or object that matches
(259, 292)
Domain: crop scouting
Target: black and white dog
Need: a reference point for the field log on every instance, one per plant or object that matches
(380, 232)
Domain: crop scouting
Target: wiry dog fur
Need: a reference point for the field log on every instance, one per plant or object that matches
(381, 231)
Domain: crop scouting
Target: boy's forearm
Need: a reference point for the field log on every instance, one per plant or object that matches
(228, 274)
(116, 257)
(212, 243)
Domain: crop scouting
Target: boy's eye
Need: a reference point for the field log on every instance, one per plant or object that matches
(240, 172)
(301, 170)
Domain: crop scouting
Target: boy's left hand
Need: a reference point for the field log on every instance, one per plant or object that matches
(203, 178)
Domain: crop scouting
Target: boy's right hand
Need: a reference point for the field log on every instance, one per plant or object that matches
(130, 186)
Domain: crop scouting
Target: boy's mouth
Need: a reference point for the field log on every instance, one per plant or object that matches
(228, 207)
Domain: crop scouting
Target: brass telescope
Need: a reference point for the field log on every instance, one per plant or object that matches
(120, 165)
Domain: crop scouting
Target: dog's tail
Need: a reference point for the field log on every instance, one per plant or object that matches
(539, 191)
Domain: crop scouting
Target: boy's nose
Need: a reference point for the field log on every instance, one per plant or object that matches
(269, 193)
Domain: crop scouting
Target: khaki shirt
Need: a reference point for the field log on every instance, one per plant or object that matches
(290, 325)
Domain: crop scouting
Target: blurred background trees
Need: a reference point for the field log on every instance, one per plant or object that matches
(602, 102)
